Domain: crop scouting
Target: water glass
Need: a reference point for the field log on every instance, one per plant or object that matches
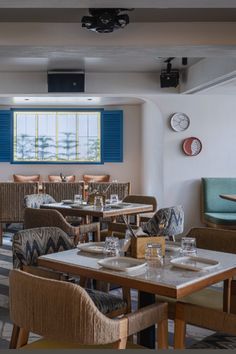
(98, 202)
(112, 246)
(188, 246)
(153, 255)
(114, 198)
(78, 198)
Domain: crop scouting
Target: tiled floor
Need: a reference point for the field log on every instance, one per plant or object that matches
(194, 334)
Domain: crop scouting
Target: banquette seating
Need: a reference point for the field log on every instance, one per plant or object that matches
(215, 211)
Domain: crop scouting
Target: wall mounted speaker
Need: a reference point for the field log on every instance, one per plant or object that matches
(65, 81)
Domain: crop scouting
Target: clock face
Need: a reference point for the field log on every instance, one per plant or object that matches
(179, 122)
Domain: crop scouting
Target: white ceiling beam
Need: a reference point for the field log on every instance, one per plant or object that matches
(206, 74)
(117, 3)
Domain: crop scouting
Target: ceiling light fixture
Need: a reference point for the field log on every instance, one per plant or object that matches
(169, 77)
(105, 20)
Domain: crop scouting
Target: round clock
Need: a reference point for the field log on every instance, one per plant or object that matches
(192, 146)
(179, 122)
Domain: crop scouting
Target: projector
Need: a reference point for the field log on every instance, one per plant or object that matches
(169, 78)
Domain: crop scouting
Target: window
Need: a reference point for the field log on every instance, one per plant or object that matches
(57, 136)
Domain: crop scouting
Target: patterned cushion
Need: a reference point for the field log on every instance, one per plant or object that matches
(106, 302)
(29, 244)
(166, 222)
(35, 200)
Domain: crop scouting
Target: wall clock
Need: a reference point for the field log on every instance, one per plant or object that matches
(179, 122)
(192, 146)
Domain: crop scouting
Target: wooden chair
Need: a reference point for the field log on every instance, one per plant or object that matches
(28, 245)
(142, 199)
(215, 211)
(12, 201)
(65, 316)
(60, 191)
(209, 298)
(49, 217)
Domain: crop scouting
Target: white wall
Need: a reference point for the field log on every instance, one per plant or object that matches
(129, 170)
(213, 121)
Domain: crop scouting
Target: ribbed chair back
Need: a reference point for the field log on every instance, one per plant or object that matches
(106, 188)
(35, 200)
(30, 244)
(59, 311)
(12, 200)
(63, 190)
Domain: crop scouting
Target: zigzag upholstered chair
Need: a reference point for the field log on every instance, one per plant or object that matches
(30, 244)
(166, 222)
(64, 315)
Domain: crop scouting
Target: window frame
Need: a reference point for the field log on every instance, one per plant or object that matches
(56, 110)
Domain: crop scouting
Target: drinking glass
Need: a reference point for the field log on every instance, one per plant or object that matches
(188, 246)
(114, 198)
(112, 246)
(78, 198)
(98, 202)
(153, 255)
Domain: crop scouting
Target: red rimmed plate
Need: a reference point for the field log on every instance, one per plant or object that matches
(192, 146)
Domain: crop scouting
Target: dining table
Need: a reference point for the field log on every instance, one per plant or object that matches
(170, 280)
(87, 211)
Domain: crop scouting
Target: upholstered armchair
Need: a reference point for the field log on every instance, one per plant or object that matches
(75, 323)
(35, 200)
(30, 244)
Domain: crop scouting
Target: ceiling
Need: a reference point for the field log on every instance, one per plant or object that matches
(103, 53)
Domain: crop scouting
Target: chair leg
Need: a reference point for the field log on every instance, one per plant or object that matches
(162, 334)
(179, 336)
(14, 337)
(19, 337)
(120, 344)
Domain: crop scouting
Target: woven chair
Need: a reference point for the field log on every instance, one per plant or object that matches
(61, 191)
(12, 201)
(30, 244)
(121, 189)
(166, 222)
(205, 305)
(142, 199)
(49, 217)
(65, 316)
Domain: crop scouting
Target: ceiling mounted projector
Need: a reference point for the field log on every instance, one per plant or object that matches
(105, 20)
(169, 77)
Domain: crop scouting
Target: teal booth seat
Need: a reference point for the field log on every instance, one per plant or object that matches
(218, 212)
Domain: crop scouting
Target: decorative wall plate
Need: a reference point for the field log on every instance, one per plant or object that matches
(192, 146)
(179, 122)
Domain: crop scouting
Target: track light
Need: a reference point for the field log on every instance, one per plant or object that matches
(105, 20)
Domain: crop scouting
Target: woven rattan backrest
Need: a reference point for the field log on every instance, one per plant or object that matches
(122, 189)
(142, 199)
(214, 239)
(58, 310)
(63, 190)
(12, 200)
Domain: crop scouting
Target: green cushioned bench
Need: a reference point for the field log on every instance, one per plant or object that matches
(218, 212)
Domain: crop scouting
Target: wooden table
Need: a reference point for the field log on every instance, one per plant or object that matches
(108, 211)
(167, 281)
(231, 197)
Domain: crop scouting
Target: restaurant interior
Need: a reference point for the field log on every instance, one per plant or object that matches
(117, 183)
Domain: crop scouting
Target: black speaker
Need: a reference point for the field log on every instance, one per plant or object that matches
(65, 81)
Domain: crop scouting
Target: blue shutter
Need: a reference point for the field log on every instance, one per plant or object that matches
(112, 136)
(5, 136)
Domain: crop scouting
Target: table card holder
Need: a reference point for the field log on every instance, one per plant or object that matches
(138, 245)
